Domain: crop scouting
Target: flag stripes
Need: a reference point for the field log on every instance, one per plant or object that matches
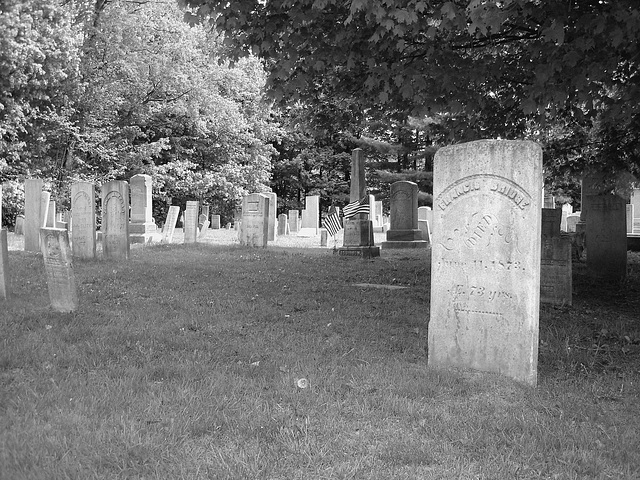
(359, 206)
(332, 222)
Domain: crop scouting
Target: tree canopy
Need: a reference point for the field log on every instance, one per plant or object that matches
(485, 67)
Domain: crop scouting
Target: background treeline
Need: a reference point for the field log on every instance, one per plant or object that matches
(215, 108)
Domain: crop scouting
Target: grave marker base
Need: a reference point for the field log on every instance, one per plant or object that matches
(405, 244)
(362, 252)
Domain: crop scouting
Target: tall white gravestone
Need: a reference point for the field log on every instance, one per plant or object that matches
(83, 220)
(191, 221)
(485, 288)
(141, 224)
(170, 224)
(115, 220)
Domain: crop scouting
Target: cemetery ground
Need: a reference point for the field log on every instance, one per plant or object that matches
(222, 362)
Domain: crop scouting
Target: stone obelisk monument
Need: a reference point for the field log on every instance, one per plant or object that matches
(358, 230)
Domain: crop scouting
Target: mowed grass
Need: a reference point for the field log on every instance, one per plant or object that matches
(187, 362)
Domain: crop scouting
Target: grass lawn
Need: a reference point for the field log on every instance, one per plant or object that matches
(214, 361)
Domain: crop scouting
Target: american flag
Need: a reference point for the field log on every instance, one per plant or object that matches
(359, 206)
(332, 222)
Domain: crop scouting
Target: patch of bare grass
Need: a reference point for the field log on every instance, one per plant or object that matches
(187, 362)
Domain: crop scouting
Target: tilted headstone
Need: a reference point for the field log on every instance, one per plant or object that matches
(191, 222)
(170, 224)
(58, 266)
(294, 222)
(358, 229)
(4, 265)
(32, 214)
(215, 222)
(141, 224)
(404, 231)
(485, 268)
(254, 230)
(283, 224)
(204, 210)
(83, 220)
(204, 230)
(115, 220)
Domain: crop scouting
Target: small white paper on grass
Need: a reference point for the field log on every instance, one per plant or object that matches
(302, 383)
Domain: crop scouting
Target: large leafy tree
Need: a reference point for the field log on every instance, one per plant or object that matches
(477, 67)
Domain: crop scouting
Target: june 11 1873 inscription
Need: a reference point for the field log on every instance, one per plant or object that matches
(485, 274)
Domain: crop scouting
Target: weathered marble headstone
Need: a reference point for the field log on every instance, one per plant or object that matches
(404, 231)
(32, 214)
(485, 268)
(215, 222)
(83, 220)
(170, 224)
(358, 230)
(191, 222)
(324, 234)
(294, 221)
(283, 223)
(115, 220)
(254, 231)
(19, 229)
(630, 210)
(141, 225)
(4, 265)
(58, 265)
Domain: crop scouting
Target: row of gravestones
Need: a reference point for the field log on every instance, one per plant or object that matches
(120, 226)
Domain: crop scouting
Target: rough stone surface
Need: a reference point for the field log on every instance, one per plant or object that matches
(115, 220)
(58, 265)
(254, 230)
(83, 220)
(485, 270)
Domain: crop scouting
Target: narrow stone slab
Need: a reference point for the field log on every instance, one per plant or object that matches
(191, 222)
(556, 283)
(32, 214)
(83, 220)
(115, 220)
(485, 270)
(170, 224)
(4, 265)
(59, 268)
(215, 222)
